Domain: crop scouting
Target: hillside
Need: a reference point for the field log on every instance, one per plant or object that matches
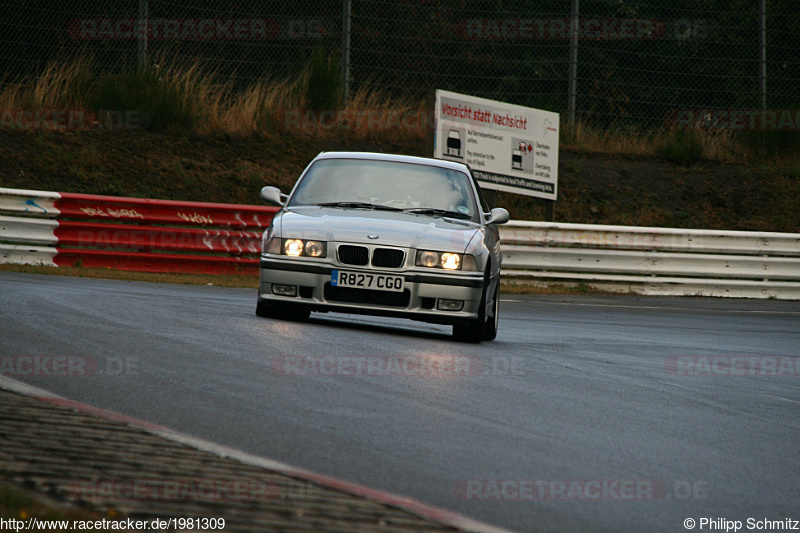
(594, 187)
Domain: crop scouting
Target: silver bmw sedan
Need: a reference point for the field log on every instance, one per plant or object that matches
(388, 235)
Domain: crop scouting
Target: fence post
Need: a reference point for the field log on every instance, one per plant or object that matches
(346, 19)
(763, 48)
(142, 32)
(573, 63)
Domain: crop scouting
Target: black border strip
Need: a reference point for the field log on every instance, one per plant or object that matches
(529, 184)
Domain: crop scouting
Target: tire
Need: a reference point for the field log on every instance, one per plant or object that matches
(483, 328)
(490, 327)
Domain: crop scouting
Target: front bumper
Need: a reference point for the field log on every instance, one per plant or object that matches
(423, 290)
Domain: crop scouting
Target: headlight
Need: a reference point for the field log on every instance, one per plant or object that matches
(293, 247)
(445, 260)
(315, 249)
(428, 259)
(451, 261)
(299, 247)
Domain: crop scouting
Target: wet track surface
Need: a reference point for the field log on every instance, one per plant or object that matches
(588, 412)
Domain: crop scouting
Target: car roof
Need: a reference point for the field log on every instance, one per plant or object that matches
(375, 156)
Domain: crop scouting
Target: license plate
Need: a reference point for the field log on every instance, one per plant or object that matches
(366, 280)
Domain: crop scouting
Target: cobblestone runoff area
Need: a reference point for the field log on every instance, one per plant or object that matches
(68, 455)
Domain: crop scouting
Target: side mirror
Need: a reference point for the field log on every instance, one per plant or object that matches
(498, 216)
(273, 194)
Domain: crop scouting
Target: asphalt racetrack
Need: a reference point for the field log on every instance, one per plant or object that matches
(588, 413)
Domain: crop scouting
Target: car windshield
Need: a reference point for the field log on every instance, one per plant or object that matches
(363, 183)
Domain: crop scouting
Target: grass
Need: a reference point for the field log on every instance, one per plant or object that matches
(61, 85)
(686, 147)
(680, 147)
(611, 140)
(242, 282)
(170, 96)
(186, 97)
(205, 138)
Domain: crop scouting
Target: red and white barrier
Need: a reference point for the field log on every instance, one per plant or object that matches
(67, 229)
(48, 228)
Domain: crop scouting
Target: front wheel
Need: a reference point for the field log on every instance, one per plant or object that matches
(490, 327)
(483, 328)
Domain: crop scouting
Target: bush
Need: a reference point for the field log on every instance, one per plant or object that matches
(681, 147)
(769, 144)
(166, 97)
(324, 89)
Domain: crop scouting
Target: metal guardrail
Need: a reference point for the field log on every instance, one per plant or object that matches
(65, 229)
(665, 261)
(61, 229)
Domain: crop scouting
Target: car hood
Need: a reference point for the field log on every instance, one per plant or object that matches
(405, 230)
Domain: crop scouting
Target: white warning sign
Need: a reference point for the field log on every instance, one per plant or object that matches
(509, 148)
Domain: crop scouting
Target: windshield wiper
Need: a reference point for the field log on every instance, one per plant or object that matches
(437, 211)
(360, 205)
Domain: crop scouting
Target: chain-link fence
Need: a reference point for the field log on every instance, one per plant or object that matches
(623, 61)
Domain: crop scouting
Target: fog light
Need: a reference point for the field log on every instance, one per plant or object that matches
(284, 290)
(450, 305)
